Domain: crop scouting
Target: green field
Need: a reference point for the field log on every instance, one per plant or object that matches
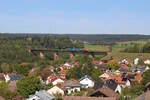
(116, 51)
(102, 48)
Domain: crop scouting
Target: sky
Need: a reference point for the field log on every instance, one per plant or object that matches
(75, 16)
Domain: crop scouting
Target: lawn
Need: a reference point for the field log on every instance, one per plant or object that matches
(102, 48)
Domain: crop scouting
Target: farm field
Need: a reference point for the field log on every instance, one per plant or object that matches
(102, 48)
(116, 51)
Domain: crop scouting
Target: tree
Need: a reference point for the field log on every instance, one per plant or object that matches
(45, 73)
(23, 68)
(130, 93)
(6, 68)
(113, 65)
(28, 86)
(146, 77)
(5, 92)
(95, 74)
(76, 72)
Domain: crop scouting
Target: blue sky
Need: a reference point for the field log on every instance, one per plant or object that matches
(75, 16)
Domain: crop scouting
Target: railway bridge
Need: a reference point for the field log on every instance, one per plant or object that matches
(71, 51)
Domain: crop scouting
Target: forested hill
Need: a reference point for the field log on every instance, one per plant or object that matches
(90, 38)
(108, 38)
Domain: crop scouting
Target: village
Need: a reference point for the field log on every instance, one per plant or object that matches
(110, 84)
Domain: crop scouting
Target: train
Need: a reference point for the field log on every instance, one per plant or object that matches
(76, 49)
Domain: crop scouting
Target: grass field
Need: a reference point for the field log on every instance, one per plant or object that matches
(102, 48)
(116, 51)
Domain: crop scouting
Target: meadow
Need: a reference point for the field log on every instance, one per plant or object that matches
(117, 50)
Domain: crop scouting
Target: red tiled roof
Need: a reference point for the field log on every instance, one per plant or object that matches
(119, 80)
(52, 78)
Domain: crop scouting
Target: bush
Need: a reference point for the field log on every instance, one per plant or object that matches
(28, 86)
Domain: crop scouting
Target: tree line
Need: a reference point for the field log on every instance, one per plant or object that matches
(138, 48)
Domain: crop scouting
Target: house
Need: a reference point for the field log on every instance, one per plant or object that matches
(105, 76)
(122, 80)
(123, 68)
(125, 83)
(117, 72)
(125, 61)
(134, 77)
(87, 98)
(14, 77)
(12, 86)
(50, 79)
(144, 96)
(105, 92)
(142, 69)
(62, 74)
(113, 85)
(41, 95)
(98, 85)
(67, 66)
(72, 86)
(147, 61)
(136, 61)
(86, 82)
(147, 86)
(56, 90)
(7, 78)
(58, 80)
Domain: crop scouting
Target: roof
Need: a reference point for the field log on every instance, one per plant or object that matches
(142, 69)
(121, 69)
(12, 86)
(105, 75)
(71, 83)
(120, 79)
(86, 76)
(138, 77)
(134, 76)
(88, 98)
(67, 65)
(51, 78)
(106, 91)
(98, 85)
(144, 96)
(111, 84)
(43, 95)
(1, 98)
(148, 84)
(14, 77)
